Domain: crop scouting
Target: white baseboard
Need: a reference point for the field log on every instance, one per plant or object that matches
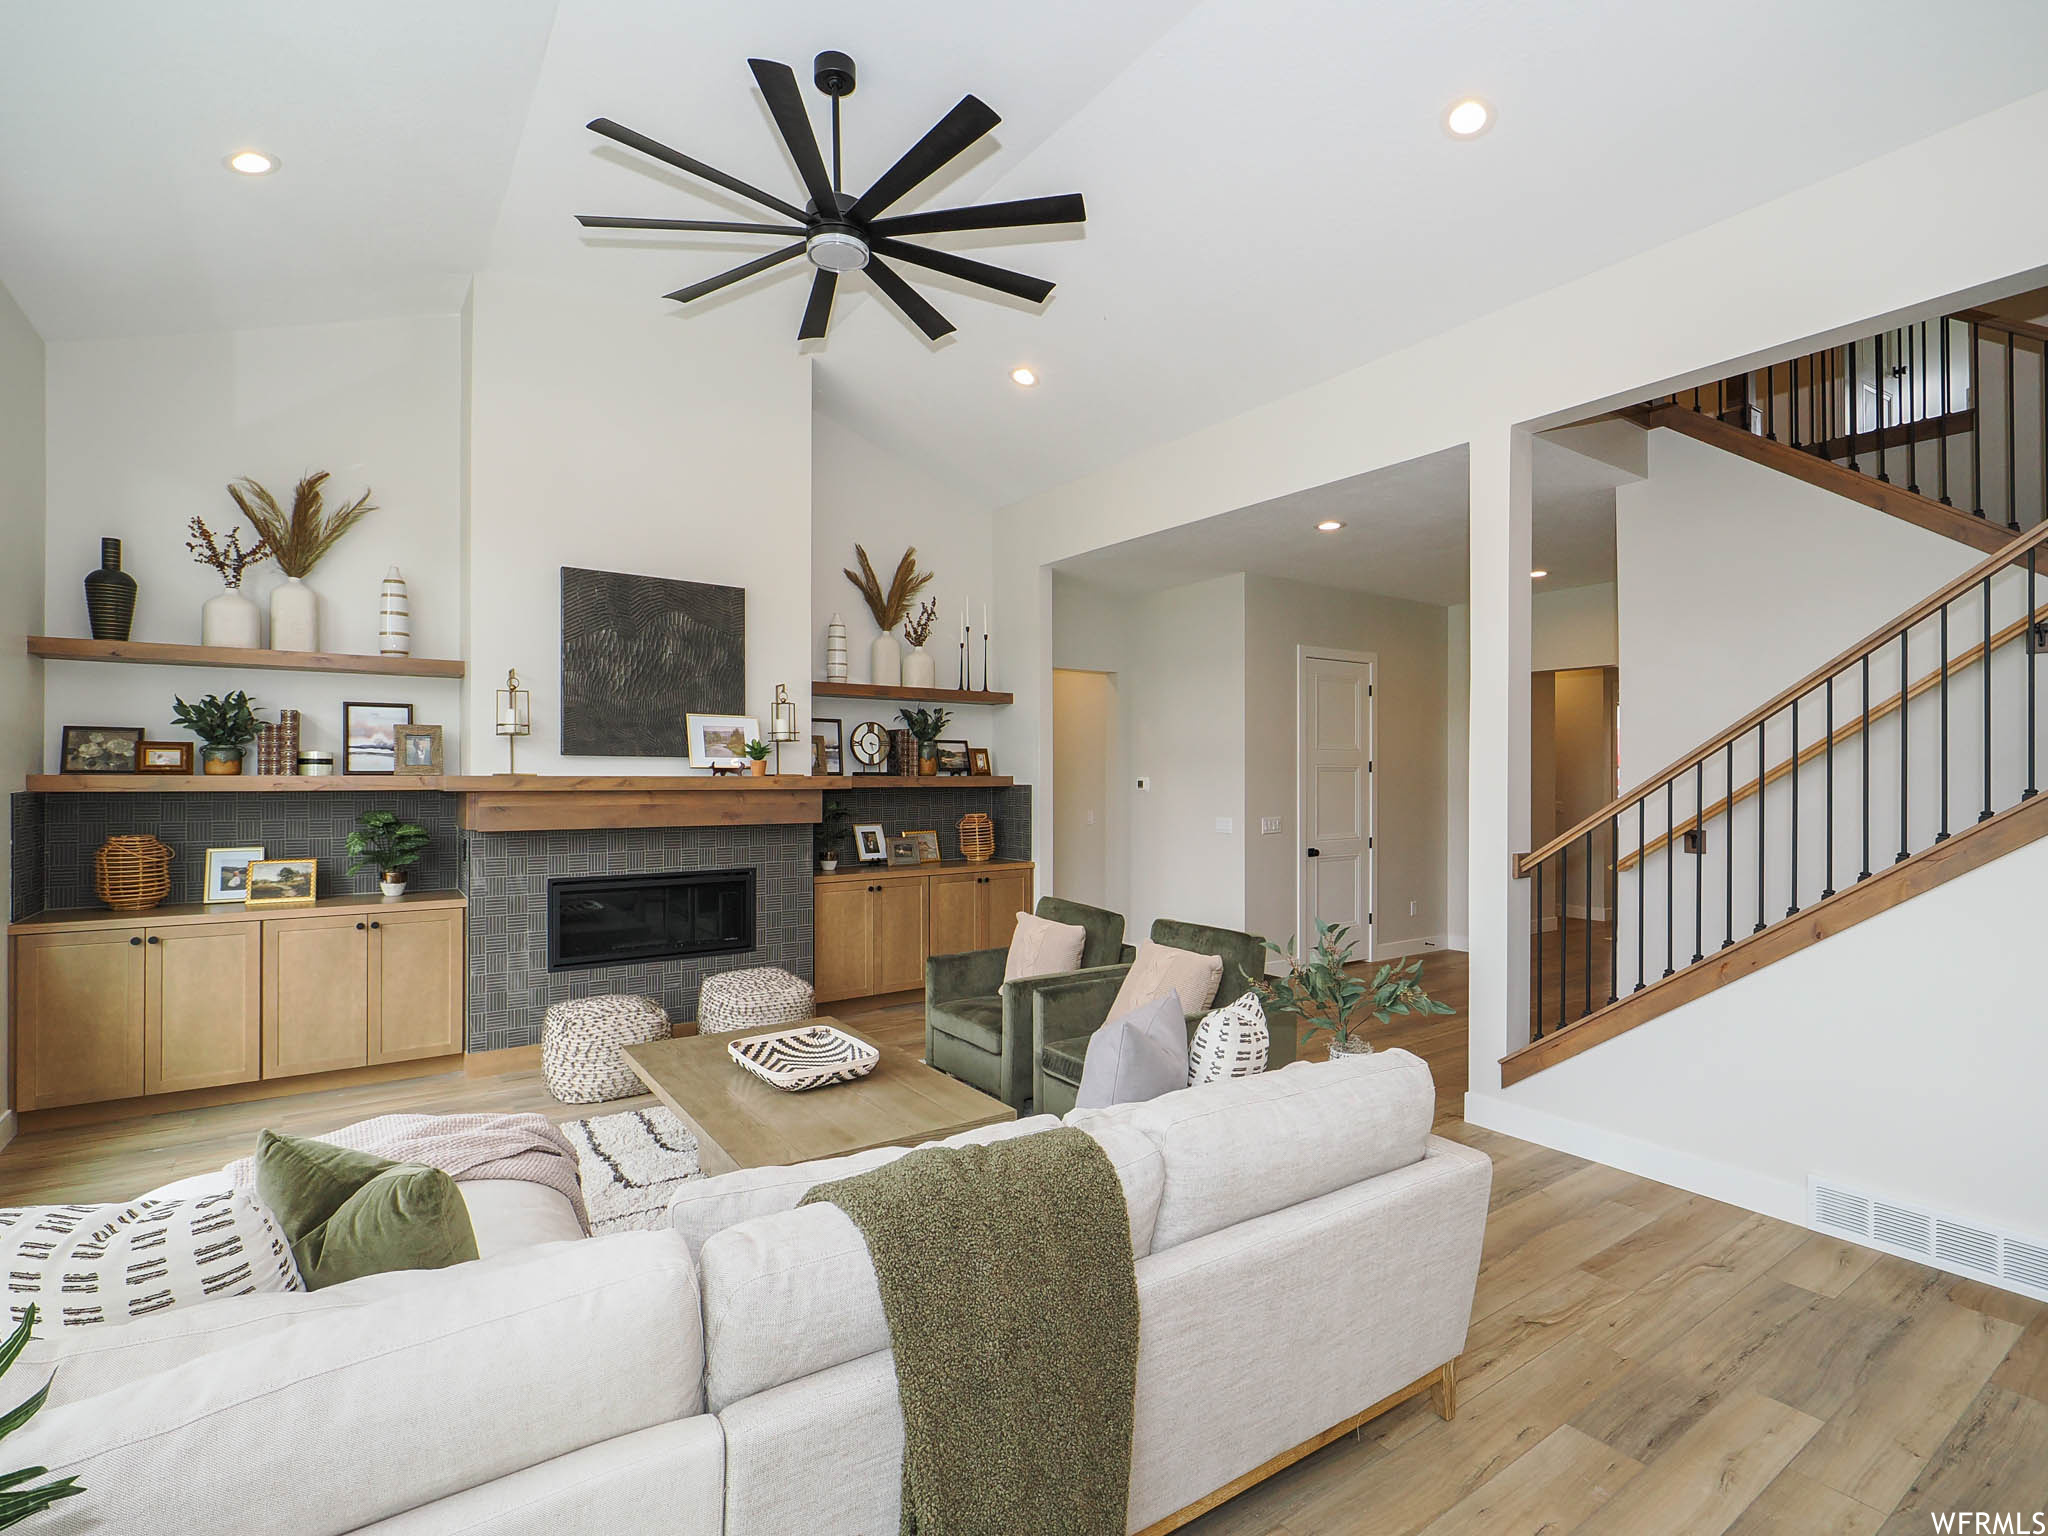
(1745, 1187)
(8, 1126)
(1402, 948)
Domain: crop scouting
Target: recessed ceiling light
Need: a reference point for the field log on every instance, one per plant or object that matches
(1328, 525)
(252, 162)
(1538, 575)
(1023, 376)
(1469, 118)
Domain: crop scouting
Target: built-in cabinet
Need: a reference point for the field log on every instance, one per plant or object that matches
(873, 927)
(109, 1005)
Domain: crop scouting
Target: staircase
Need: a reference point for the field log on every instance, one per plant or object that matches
(1909, 759)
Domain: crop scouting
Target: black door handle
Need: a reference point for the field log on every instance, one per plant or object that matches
(1315, 853)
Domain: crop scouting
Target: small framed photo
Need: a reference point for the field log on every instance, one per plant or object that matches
(370, 735)
(282, 882)
(100, 749)
(717, 739)
(952, 757)
(419, 748)
(905, 851)
(227, 872)
(164, 757)
(828, 747)
(869, 843)
(978, 762)
(927, 844)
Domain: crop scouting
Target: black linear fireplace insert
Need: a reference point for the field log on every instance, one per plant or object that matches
(627, 919)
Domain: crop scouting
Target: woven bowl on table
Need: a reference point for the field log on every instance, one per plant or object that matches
(977, 838)
(132, 872)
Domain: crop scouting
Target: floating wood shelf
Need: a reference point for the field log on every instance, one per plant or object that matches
(151, 653)
(824, 690)
(497, 784)
(912, 781)
(223, 783)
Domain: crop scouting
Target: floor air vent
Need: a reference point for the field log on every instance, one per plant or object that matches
(1961, 1247)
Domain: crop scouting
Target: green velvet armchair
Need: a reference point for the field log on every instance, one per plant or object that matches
(1067, 1010)
(977, 1027)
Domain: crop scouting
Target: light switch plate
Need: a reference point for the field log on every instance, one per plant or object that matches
(1226, 824)
(1268, 825)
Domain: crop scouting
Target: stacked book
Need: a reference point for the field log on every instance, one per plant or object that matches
(277, 746)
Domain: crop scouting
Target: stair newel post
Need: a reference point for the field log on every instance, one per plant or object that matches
(1614, 907)
(1942, 835)
(1905, 702)
(1877, 388)
(1728, 847)
(1827, 874)
(1976, 430)
(1863, 751)
(1642, 879)
(1984, 666)
(1537, 994)
(1589, 922)
(1670, 873)
(1760, 786)
(1941, 439)
(1699, 863)
(2028, 652)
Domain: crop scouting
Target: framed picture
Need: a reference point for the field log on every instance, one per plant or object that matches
(952, 757)
(419, 748)
(99, 749)
(164, 757)
(227, 872)
(927, 845)
(978, 763)
(716, 739)
(370, 735)
(828, 748)
(282, 882)
(869, 843)
(903, 851)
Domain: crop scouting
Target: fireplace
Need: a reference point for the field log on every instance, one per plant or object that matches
(629, 919)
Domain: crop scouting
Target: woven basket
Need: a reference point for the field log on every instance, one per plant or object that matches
(132, 873)
(977, 838)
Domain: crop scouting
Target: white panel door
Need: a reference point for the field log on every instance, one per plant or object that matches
(1336, 713)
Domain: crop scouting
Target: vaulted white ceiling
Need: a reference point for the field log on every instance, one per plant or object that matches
(1271, 197)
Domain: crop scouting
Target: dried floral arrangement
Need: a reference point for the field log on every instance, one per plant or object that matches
(918, 628)
(893, 607)
(225, 555)
(298, 538)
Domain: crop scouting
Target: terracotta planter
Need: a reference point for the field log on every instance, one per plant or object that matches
(758, 767)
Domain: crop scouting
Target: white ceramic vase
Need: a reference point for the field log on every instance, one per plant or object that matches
(885, 661)
(835, 650)
(294, 617)
(919, 670)
(392, 889)
(394, 616)
(231, 620)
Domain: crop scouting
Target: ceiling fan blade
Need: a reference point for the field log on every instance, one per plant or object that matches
(1036, 289)
(907, 299)
(683, 162)
(1066, 209)
(786, 101)
(968, 121)
(600, 221)
(818, 313)
(759, 264)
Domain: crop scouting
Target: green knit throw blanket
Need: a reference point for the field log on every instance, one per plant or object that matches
(1006, 1275)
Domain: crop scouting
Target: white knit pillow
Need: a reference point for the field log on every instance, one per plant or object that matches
(1230, 1042)
(1159, 970)
(1042, 947)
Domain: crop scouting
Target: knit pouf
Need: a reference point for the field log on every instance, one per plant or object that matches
(580, 1040)
(753, 999)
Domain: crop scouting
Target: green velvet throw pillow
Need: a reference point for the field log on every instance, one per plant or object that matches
(348, 1214)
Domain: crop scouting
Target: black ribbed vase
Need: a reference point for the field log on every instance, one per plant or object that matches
(110, 595)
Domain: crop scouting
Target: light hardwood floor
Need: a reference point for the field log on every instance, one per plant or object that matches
(1642, 1362)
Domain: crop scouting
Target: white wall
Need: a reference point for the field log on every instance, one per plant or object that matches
(145, 433)
(21, 581)
(1410, 698)
(1457, 770)
(1573, 626)
(614, 437)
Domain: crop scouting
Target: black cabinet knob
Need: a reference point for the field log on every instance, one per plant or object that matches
(376, 925)
(359, 927)
(136, 940)
(154, 939)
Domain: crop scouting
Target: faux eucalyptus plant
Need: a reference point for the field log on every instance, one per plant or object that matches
(1322, 994)
(926, 724)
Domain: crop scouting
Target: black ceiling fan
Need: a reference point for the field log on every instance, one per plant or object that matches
(843, 233)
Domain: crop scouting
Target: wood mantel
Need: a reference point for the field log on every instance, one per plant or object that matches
(534, 802)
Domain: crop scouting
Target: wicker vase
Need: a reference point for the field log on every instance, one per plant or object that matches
(132, 873)
(977, 838)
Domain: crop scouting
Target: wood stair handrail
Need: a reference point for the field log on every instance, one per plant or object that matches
(1984, 319)
(1975, 575)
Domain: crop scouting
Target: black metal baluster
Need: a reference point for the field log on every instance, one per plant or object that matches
(2028, 656)
(1855, 405)
(1827, 880)
(1614, 910)
(1728, 848)
(1564, 917)
(1642, 878)
(2044, 430)
(1905, 701)
(1942, 835)
(1670, 872)
(1589, 922)
(1792, 402)
(1792, 894)
(2012, 505)
(1941, 440)
(1540, 915)
(1759, 928)
(1771, 401)
(1699, 864)
(1976, 430)
(1864, 872)
(1985, 666)
(1916, 353)
(1877, 383)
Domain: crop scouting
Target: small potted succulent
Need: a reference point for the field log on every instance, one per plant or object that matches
(1322, 993)
(223, 725)
(391, 845)
(757, 758)
(926, 725)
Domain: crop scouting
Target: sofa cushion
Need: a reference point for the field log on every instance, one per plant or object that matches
(1249, 1145)
(976, 1020)
(451, 1379)
(705, 1206)
(1064, 1059)
(348, 1214)
(1159, 970)
(1135, 1057)
(794, 1293)
(1041, 947)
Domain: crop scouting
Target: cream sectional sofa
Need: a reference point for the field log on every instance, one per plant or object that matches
(1305, 1249)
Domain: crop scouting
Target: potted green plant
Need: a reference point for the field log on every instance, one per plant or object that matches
(757, 758)
(926, 725)
(829, 834)
(223, 725)
(381, 839)
(19, 1503)
(1322, 994)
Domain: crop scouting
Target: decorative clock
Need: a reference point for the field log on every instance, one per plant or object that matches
(869, 744)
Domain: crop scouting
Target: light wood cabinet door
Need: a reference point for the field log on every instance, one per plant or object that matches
(956, 914)
(1004, 893)
(78, 1017)
(415, 985)
(843, 939)
(899, 934)
(203, 1014)
(316, 994)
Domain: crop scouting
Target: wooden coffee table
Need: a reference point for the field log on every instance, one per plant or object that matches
(741, 1122)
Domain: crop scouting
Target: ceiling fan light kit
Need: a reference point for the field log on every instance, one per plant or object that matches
(840, 233)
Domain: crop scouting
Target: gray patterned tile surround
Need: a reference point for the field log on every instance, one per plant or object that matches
(897, 809)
